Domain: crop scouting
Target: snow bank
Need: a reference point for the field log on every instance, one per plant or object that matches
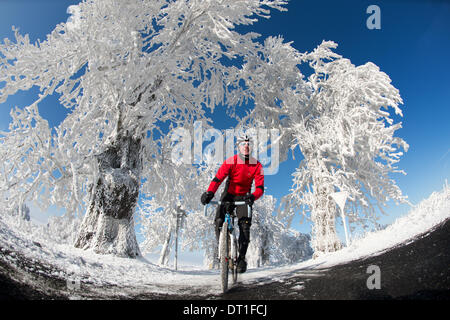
(69, 263)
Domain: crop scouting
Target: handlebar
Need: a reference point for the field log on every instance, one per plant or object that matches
(237, 203)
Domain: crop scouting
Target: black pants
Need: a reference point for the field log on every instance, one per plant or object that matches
(244, 222)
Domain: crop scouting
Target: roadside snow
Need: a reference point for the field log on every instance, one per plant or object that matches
(142, 275)
(421, 219)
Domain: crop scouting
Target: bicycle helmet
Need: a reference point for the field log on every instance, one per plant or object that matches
(244, 138)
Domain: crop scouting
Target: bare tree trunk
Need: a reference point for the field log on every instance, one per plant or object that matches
(108, 226)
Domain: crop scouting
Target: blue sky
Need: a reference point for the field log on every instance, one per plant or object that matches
(412, 47)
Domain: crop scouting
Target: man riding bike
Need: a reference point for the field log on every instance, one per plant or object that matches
(241, 169)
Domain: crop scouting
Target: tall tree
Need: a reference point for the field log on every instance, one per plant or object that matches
(173, 192)
(122, 68)
(348, 144)
(340, 119)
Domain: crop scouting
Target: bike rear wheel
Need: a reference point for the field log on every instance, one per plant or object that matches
(224, 249)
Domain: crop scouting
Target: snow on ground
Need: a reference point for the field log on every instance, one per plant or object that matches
(140, 274)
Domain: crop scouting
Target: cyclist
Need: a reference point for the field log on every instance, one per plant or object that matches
(241, 169)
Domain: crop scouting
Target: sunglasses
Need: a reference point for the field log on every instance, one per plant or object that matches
(244, 143)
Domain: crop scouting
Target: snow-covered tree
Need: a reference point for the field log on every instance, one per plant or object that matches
(279, 92)
(347, 138)
(199, 232)
(272, 241)
(292, 246)
(23, 212)
(173, 192)
(339, 118)
(121, 68)
(262, 229)
(62, 229)
(180, 187)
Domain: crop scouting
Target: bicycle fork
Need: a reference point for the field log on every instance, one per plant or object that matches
(232, 253)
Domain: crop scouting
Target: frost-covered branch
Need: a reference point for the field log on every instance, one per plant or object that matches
(122, 69)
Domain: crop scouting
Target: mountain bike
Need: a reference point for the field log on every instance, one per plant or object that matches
(228, 244)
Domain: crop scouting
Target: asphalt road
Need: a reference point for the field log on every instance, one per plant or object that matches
(418, 270)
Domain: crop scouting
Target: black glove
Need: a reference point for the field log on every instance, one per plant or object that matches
(249, 199)
(206, 197)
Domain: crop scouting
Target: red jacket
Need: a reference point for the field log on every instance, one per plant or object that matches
(241, 175)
